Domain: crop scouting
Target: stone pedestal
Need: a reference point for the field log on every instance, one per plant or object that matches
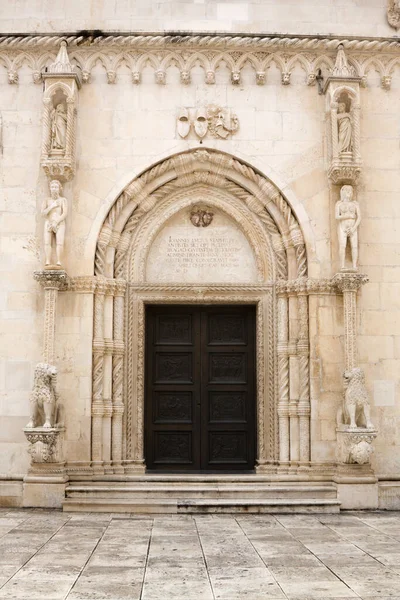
(356, 482)
(354, 445)
(45, 482)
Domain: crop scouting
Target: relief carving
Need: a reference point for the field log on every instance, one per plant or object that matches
(355, 447)
(348, 217)
(55, 210)
(45, 445)
(393, 13)
(201, 217)
(219, 122)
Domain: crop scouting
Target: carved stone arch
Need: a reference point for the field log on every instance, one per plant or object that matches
(152, 223)
(263, 214)
(351, 92)
(180, 169)
(52, 89)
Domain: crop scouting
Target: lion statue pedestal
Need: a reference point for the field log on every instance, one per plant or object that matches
(354, 445)
(356, 482)
(45, 433)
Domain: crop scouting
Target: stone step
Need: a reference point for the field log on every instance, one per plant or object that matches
(206, 505)
(154, 490)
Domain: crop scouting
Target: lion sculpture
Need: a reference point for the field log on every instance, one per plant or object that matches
(43, 397)
(356, 411)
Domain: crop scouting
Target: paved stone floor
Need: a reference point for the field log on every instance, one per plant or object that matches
(50, 555)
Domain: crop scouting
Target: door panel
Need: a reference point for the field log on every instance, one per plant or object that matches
(200, 388)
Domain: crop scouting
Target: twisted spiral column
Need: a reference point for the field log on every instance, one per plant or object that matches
(304, 407)
(98, 372)
(356, 129)
(70, 134)
(118, 377)
(283, 378)
(334, 131)
(46, 132)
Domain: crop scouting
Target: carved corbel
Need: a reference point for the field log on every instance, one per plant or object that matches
(393, 13)
(342, 90)
(61, 85)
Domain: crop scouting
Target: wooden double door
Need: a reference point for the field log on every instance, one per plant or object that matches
(200, 399)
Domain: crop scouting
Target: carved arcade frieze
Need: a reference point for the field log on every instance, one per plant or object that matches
(138, 51)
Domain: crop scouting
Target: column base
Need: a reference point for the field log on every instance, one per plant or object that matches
(134, 467)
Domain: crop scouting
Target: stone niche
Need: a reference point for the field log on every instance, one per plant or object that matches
(201, 245)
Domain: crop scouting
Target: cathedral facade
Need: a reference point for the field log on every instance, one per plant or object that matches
(200, 256)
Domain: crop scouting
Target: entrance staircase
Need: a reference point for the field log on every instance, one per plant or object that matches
(185, 494)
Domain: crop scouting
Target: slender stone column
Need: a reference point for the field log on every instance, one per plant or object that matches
(70, 133)
(98, 370)
(283, 377)
(303, 351)
(52, 281)
(356, 129)
(46, 128)
(118, 376)
(349, 284)
(334, 131)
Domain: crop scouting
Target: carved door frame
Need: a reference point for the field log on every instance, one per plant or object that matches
(262, 296)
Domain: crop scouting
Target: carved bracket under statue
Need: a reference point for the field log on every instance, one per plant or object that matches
(354, 446)
(393, 13)
(343, 111)
(61, 85)
(45, 444)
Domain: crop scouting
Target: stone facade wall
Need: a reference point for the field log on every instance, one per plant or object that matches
(123, 128)
(311, 17)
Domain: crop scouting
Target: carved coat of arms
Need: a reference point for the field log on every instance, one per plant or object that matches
(221, 122)
(201, 217)
(214, 120)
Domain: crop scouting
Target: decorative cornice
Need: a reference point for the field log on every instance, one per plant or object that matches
(136, 50)
(198, 40)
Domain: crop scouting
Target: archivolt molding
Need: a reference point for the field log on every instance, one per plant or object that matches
(152, 223)
(186, 51)
(202, 167)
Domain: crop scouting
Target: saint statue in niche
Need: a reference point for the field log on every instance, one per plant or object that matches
(58, 127)
(54, 209)
(348, 216)
(345, 129)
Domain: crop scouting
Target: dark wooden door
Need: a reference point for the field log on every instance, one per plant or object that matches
(200, 388)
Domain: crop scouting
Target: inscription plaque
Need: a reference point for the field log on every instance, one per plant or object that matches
(219, 253)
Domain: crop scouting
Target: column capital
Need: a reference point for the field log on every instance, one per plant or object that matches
(56, 279)
(350, 281)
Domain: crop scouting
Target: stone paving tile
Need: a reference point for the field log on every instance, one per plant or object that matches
(50, 555)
